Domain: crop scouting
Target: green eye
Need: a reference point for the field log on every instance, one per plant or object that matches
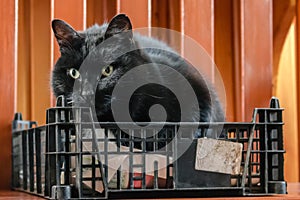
(74, 73)
(107, 71)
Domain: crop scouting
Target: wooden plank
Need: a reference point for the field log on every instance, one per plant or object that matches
(165, 14)
(255, 56)
(174, 16)
(160, 19)
(240, 105)
(159, 13)
(283, 15)
(14, 195)
(197, 22)
(174, 22)
(298, 73)
(137, 11)
(40, 59)
(75, 17)
(287, 82)
(23, 70)
(223, 51)
(7, 89)
(100, 11)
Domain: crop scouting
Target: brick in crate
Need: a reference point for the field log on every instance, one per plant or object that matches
(74, 157)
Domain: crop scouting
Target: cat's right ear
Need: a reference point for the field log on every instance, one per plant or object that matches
(119, 24)
(64, 33)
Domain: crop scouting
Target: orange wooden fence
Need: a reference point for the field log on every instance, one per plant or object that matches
(205, 21)
(7, 87)
(237, 34)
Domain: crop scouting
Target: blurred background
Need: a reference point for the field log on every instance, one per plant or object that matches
(254, 43)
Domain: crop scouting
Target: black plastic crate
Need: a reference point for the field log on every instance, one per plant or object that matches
(61, 159)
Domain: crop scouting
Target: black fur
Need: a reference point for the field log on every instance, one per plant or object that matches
(76, 46)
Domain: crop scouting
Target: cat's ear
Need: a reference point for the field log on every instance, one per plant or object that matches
(64, 33)
(119, 24)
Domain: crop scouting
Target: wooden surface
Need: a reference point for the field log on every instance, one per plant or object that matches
(283, 15)
(223, 39)
(284, 73)
(7, 83)
(100, 11)
(208, 22)
(75, 17)
(11, 195)
(293, 188)
(298, 73)
(39, 42)
(137, 10)
(254, 54)
(198, 23)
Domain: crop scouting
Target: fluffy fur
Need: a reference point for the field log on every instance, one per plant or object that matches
(76, 46)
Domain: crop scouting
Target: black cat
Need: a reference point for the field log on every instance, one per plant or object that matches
(117, 51)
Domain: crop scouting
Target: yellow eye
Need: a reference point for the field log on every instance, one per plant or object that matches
(74, 73)
(107, 71)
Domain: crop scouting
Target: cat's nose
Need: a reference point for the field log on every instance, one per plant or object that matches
(87, 92)
(87, 89)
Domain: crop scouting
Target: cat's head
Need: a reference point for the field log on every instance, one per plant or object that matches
(99, 53)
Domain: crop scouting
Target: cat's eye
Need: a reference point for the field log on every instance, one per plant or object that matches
(74, 73)
(107, 71)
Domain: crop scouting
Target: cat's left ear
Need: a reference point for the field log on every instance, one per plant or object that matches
(119, 24)
(64, 33)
